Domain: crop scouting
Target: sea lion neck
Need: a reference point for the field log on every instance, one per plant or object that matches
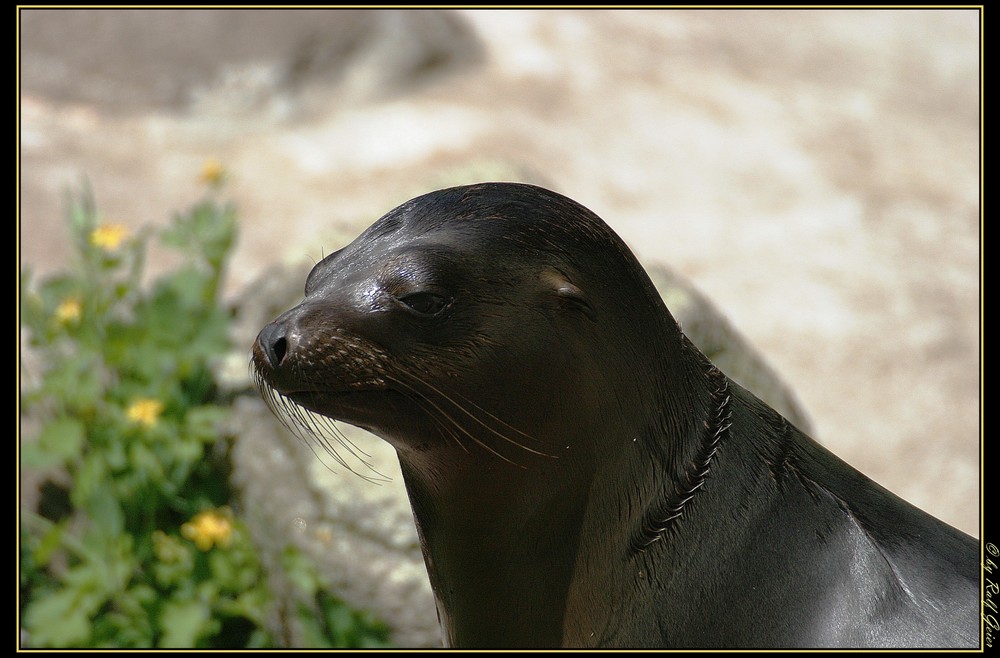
(499, 553)
(504, 544)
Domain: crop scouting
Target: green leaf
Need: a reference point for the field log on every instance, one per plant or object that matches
(75, 380)
(183, 624)
(299, 571)
(105, 512)
(314, 633)
(349, 627)
(34, 456)
(145, 463)
(82, 214)
(57, 620)
(48, 543)
(92, 475)
(184, 289)
(61, 440)
(204, 422)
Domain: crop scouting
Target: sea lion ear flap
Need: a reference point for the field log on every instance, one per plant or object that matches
(567, 292)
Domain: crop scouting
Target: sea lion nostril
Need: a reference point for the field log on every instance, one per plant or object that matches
(273, 342)
(277, 351)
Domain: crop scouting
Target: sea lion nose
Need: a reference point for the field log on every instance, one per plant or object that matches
(273, 342)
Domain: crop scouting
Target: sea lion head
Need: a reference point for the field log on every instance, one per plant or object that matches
(497, 317)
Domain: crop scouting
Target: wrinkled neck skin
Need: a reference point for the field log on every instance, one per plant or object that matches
(505, 545)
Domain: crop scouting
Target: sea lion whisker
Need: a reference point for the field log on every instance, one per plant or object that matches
(458, 425)
(309, 428)
(332, 426)
(435, 415)
(477, 419)
(499, 420)
(449, 431)
(321, 428)
(304, 427)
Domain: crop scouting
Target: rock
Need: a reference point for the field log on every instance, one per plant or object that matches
(221, 60)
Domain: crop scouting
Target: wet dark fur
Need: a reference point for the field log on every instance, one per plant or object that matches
(580, 474)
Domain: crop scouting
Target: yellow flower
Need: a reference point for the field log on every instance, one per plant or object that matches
(145, 411)
(209, 528)
(109, 236)
(68, 311)
(212, 172)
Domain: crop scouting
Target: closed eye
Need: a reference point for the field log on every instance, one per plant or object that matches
(425, 303)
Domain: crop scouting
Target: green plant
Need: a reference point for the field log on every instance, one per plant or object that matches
(138, 546)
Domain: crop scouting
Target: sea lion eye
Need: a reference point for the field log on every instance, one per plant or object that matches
(425, 303)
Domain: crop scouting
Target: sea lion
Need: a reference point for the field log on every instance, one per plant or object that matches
(580, 474)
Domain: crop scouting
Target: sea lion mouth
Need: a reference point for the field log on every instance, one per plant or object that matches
(349, 406)
(338, 400)
(311, 415)
(393, 405)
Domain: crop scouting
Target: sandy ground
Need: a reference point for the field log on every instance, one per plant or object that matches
(816, 173)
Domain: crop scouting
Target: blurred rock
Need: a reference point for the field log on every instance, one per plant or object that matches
(227, 60)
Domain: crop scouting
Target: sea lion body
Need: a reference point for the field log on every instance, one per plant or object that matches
(580, 474)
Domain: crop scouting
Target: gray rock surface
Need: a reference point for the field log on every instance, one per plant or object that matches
(232, 60)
